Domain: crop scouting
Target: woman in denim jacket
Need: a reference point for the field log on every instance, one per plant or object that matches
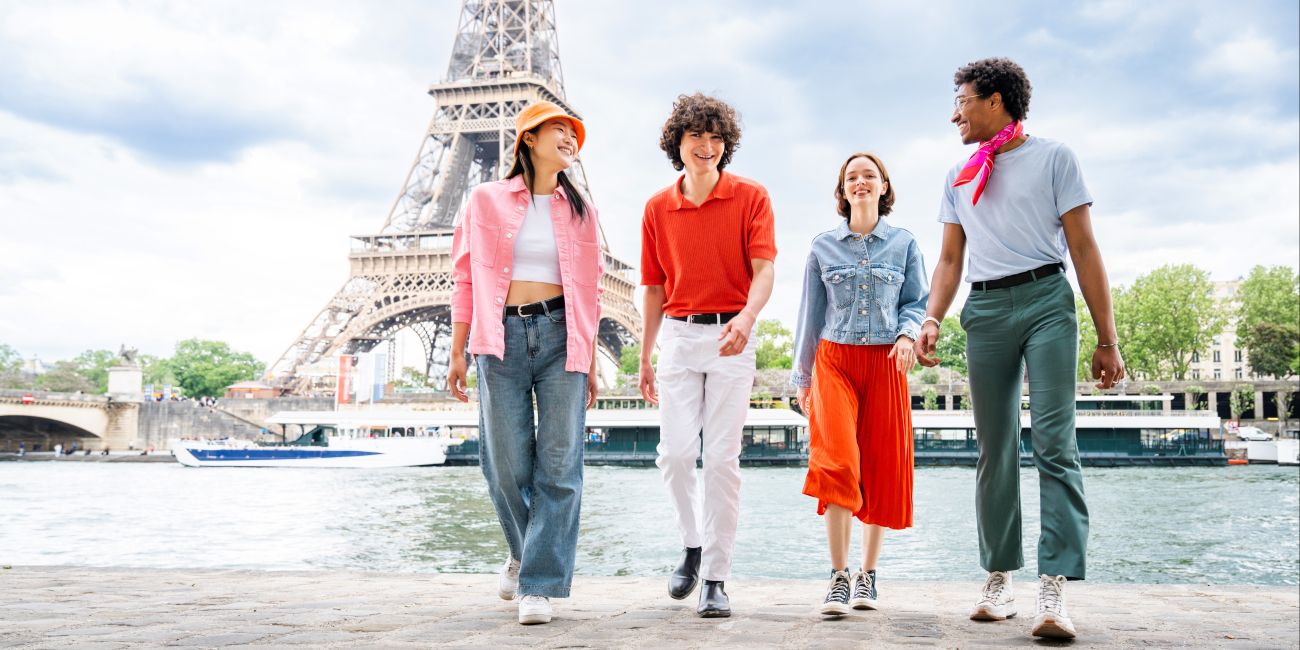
(526, 261)
(864, 297)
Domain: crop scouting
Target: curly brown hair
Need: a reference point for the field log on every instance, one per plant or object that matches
(699, 112)
(998, 75)
(886, 199)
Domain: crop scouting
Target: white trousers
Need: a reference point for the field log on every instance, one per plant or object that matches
(701, 392)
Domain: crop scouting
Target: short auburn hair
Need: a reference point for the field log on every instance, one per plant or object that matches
(705, 114)
(886, 199)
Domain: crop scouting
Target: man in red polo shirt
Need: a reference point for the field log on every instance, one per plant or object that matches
(706, 262)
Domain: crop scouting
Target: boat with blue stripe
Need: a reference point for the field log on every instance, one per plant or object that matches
(364, 438)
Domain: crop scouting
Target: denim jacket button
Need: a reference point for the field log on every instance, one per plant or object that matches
(863, 339)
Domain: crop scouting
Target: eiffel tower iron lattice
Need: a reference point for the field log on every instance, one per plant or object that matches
(506, 56)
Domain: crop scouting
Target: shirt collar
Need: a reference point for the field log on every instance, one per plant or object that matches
(724, 189)
(516, 184)
(882, 230)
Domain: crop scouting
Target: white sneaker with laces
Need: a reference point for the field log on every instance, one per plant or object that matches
(1051, 621)
(509, 581)
(997, 600)
(534, 609)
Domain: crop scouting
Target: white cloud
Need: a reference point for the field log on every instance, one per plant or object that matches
(109, 241)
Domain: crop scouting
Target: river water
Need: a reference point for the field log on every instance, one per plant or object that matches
(1149, 525)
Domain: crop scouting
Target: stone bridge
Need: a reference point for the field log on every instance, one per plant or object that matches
(41, 420)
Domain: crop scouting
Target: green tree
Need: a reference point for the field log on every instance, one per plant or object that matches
(1196, 391)
(629, 360)
(1087, 339)
(11, 368)
(1274, 349)
(1169, 315)
(1268, 320)
(1269, 295)
(64, 377)
(951, 347)
(775, 344)
(1242, 400)
(10, 360)
(930, 399)
(411, 377)
(94, 365)
(156, 371)
(206, 368)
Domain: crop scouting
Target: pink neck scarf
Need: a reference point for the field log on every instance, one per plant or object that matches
(982, 159)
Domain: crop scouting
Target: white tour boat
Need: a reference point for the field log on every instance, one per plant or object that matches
(371, 438)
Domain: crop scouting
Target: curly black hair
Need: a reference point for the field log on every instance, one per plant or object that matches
(998, 75)
(699, 112)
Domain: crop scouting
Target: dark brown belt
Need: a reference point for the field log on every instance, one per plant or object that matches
(534, 308)
(1019, 278)
(707, 319)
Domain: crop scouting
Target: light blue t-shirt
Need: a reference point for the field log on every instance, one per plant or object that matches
(1017, 224)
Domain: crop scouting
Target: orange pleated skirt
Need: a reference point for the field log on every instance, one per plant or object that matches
(860, 435)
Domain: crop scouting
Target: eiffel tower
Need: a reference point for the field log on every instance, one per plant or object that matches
(506, 56)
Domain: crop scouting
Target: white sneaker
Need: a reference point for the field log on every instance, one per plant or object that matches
(534, 610)
(997, 601)
(1051, 620)
(509, 582)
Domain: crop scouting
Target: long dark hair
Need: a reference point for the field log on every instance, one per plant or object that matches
(524, 165)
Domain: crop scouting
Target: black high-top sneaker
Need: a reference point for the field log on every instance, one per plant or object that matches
(864, 590)
(837, 594)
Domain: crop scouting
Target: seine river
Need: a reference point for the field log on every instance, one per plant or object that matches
(1149, 525)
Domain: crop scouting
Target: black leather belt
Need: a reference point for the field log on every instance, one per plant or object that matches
(534, 308)
(1020, 278)
(708, 319)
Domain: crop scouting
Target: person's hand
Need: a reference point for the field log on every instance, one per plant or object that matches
(735, 334)
(1107, 366)
(903, 354)
(647, 382)
(591, 389)
(805, 402)
(924, 347)
(456, 376)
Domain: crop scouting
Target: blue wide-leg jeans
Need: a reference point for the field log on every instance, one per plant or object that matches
(534, 471)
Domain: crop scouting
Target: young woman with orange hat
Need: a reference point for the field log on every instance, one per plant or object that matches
(864, 297)
(527, 264)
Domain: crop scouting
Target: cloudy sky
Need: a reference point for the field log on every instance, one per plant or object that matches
(177, 170)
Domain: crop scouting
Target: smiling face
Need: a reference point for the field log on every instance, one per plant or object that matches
(701, 151)
(863, 182)
(553, 144)
(977, 118)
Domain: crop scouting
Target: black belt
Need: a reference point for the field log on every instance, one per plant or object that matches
(708, 319)
(534, 308)
(1020, 278)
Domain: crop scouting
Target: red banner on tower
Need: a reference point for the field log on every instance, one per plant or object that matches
(343, 391)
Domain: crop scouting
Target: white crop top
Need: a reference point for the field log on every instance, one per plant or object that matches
(536, 257)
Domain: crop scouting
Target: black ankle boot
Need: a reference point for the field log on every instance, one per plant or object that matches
(713, 600)
(683, 580)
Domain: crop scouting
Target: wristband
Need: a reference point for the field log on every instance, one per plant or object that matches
(1108, 345)
(932, 319)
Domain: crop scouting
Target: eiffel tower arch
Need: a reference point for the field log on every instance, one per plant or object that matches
(506, 55)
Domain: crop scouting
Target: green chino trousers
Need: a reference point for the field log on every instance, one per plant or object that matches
(1032, 325)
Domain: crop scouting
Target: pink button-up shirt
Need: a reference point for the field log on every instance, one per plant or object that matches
(482, 257)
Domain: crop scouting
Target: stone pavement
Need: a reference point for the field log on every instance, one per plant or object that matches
(56, 607)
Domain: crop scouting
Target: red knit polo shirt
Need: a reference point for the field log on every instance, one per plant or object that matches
(701, 254)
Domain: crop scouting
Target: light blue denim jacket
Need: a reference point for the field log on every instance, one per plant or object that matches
(859, 290)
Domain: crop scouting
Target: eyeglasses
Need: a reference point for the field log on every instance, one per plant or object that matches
(959, 103)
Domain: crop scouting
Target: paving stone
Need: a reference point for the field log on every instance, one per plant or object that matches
(93, 607)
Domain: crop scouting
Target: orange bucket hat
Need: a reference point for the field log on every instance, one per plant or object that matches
(539, 112)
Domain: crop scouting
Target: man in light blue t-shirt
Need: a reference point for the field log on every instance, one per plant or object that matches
(1020, 203)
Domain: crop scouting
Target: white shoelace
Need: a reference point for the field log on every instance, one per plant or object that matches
(994, 586)
(533, 599)
(863, 584)
(1050, 593)
(839, 591)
